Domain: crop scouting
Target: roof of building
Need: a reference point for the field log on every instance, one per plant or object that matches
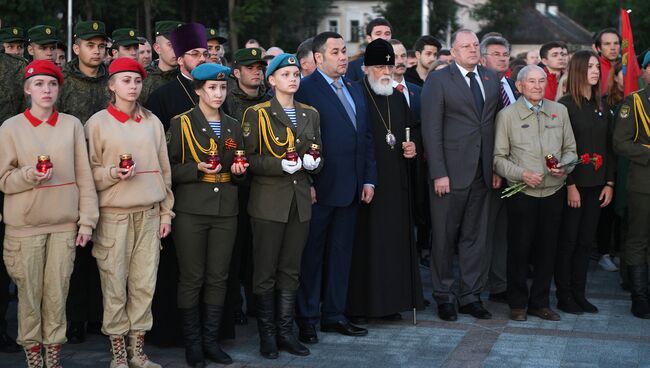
(547, 24)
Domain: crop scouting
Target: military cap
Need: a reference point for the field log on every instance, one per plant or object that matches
(282, 61)
(165, 27)
(379, 52)
(212, 34)
(43, 67)
(90, 28)
(211, 71)
(188, 37)
(125, 37)
(42, 35)
(12, 34)
(124, 64)
(248, 56)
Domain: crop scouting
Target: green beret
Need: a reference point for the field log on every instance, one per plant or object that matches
(212, 34)
(281, 61)
(12, 34)
(42, 35)
(248, 56)
(165, 27)
(125, 37)
(211, 71)
(90, 28)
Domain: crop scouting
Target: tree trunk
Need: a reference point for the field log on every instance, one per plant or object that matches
(147, 20)
(232, 26)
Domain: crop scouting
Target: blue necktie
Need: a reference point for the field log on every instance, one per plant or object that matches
(346, 104)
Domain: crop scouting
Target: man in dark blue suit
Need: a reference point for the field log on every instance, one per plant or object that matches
(376, 28)
(349, 175)
(495, 56)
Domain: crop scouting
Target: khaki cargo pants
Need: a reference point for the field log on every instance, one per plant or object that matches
(41, 266)
(127, 249)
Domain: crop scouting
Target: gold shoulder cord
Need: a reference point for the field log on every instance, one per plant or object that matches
(639, 111)
(188, 134)
(265, 129)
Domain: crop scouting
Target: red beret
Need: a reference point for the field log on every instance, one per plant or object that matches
(125, 64)
(43, 67)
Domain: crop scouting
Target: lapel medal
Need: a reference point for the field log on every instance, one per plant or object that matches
(390, 139)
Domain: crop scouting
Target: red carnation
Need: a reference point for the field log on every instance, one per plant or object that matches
(585, 159)
(598, 161)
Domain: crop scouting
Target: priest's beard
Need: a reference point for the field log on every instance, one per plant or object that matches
(382, 86)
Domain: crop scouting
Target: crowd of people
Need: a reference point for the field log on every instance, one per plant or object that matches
(177, 197)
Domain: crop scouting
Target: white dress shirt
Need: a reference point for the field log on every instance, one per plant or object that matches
(406, 90)
(476, 76)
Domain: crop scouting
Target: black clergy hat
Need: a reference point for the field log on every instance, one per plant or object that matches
(379, 52)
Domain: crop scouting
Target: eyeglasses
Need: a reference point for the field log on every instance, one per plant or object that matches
(197, 54)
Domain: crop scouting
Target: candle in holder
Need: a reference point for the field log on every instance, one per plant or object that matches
(213, 160)
(43, 163)
(551, 161)
(240, 157)
(313, 151)
(126, 161)
(291, 154)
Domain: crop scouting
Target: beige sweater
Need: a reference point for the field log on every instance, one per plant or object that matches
(108, 138)
(68, 200)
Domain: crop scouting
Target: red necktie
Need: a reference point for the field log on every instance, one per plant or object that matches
(400, 88)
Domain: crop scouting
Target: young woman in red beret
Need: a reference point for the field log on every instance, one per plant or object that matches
(50, 208)
(128, 157)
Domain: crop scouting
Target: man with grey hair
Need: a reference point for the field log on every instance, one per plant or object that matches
(305, 57)
(459, 106)
(495, 55)
(526, 132)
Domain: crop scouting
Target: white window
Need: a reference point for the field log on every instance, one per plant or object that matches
(334, 25)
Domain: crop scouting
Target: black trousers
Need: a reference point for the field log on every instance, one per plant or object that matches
(577, 237)
(84, 303)
(533, 230)
(637, 249)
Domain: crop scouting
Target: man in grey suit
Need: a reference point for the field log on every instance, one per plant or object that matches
(459, 104)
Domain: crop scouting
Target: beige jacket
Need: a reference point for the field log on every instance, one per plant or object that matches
(65, 202)
(523, 139)
(108, 138)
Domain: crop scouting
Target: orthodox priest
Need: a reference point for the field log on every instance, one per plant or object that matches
(384, 278)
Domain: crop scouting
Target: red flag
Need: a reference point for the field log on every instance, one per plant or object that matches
(630, 69)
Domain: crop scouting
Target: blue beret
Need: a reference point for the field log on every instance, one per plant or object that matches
(646, 60)
(211, 71)
(281, 61)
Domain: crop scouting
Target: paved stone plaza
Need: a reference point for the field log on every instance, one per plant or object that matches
(611, 338)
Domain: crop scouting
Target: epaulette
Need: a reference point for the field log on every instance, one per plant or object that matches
(261, 105)
(305, 106)
(183, 113)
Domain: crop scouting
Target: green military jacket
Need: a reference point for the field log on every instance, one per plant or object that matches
(82, 96)
(238, 101)
(632, 139)
(193, 192)
(272, 189)
(11, 85)
(155, 78)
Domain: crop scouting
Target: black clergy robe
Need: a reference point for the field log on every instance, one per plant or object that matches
(171, 99)
(384, 277)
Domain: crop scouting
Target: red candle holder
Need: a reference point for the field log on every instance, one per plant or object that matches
(291, 154)
(551, 161)
(43, 164)
(240, 157)
(213, 160)
(126, 161)
(314, 151)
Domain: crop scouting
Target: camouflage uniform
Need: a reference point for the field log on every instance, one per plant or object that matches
(11, 83)
(82, 96)
(238, 101)
(155, 78)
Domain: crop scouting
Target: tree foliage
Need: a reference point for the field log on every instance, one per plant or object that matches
(405, 17)
(499, 16)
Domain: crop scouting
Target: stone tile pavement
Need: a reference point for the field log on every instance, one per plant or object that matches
(611, 338)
